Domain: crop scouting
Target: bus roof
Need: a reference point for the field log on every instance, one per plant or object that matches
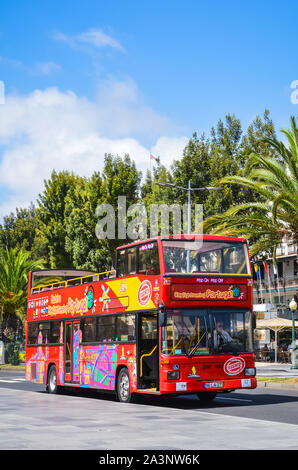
(183, 237)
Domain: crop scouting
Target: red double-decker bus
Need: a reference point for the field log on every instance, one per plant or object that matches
(174, 317)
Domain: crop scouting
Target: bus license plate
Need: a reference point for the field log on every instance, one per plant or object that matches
(214, 385)
(245, 383)
(181, 386)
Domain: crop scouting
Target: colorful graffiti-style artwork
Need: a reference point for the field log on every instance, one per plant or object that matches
(36, 366)
(131, 363)
(127, 356)
(99, 366)
(61, 358)
(105, 299)
(76, 347)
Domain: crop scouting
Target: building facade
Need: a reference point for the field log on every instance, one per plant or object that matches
(278, 288)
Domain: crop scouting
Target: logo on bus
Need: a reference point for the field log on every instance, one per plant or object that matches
(234, 366)
(144, 293)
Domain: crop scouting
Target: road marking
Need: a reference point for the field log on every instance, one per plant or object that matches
(11, 381)
(8, 381)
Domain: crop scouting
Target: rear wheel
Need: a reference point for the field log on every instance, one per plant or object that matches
(52, 380)
(123, 386)
(206, 397)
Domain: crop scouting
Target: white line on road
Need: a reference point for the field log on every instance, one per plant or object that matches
(8, 381)
(12, 380)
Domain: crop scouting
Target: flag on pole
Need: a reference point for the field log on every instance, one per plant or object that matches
(152, 157)
(257, 270)
(266, 268)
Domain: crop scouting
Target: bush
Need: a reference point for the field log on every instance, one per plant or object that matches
(12, 350)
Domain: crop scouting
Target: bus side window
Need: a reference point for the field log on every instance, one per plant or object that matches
(148, 259)
(132, 260)
(121, 268)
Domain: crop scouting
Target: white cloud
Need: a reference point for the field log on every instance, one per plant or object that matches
(93, 37)
(169, 149)
(38, 68)
(48, 130)
(45, 68)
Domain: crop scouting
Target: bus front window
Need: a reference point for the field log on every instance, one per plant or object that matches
(201, 256)
(195, 332)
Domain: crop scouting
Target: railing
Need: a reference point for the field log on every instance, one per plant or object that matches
(282, 283)
(77, 281)
(141, 360)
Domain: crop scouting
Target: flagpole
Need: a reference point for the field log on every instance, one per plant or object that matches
(260, 279)
(258, 273)
(269, 283)
(275, 268)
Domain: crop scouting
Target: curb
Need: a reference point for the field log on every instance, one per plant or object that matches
(277, 385)
(12, 368)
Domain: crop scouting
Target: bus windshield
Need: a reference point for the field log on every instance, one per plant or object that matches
(199, 332)
(200, 256)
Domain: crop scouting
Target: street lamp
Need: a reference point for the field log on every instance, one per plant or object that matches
(293, 307)
(189, 189)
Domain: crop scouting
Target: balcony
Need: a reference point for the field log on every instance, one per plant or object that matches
(282, 283)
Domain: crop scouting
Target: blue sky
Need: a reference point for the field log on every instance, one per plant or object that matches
(85, 77)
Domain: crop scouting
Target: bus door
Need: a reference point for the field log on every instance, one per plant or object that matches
(71, 353)
(148, 351)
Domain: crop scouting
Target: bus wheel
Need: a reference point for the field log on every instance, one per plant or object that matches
(205, 397)
(123, 386)
(52, 380)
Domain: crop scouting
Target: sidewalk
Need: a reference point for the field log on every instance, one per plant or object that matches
(272, 369)
(272, 372)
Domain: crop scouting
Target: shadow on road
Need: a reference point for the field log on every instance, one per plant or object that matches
(188, 402)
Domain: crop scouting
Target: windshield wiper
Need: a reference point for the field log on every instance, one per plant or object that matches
(196, 346)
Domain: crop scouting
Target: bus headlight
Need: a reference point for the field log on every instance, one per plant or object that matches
(250, 371)
(173, 375)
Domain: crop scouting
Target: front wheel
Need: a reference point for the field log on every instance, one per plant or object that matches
(123, 386)
(52, 380)
(206, 397)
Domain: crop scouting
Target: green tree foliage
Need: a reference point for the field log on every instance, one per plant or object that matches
(120, 177)
(85, 250)
(21, 231)
(51, 214)
(273, 177)
(15, 265)
(62, 227)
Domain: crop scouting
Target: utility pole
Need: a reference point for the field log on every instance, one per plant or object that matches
(189, 189)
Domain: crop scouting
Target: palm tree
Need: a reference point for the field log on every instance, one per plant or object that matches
(274, 178)
(14, 268)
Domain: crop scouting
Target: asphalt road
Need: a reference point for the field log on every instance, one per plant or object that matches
(87, 419)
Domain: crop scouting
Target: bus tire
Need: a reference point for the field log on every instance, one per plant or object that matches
(123, 386)
(206, 397)
(52, 380)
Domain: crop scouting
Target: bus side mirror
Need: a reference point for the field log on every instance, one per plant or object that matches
(162, 316)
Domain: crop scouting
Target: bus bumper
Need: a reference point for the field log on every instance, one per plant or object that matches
(217, 385)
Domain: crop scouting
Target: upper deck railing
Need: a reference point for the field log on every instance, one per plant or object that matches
(77, 281)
